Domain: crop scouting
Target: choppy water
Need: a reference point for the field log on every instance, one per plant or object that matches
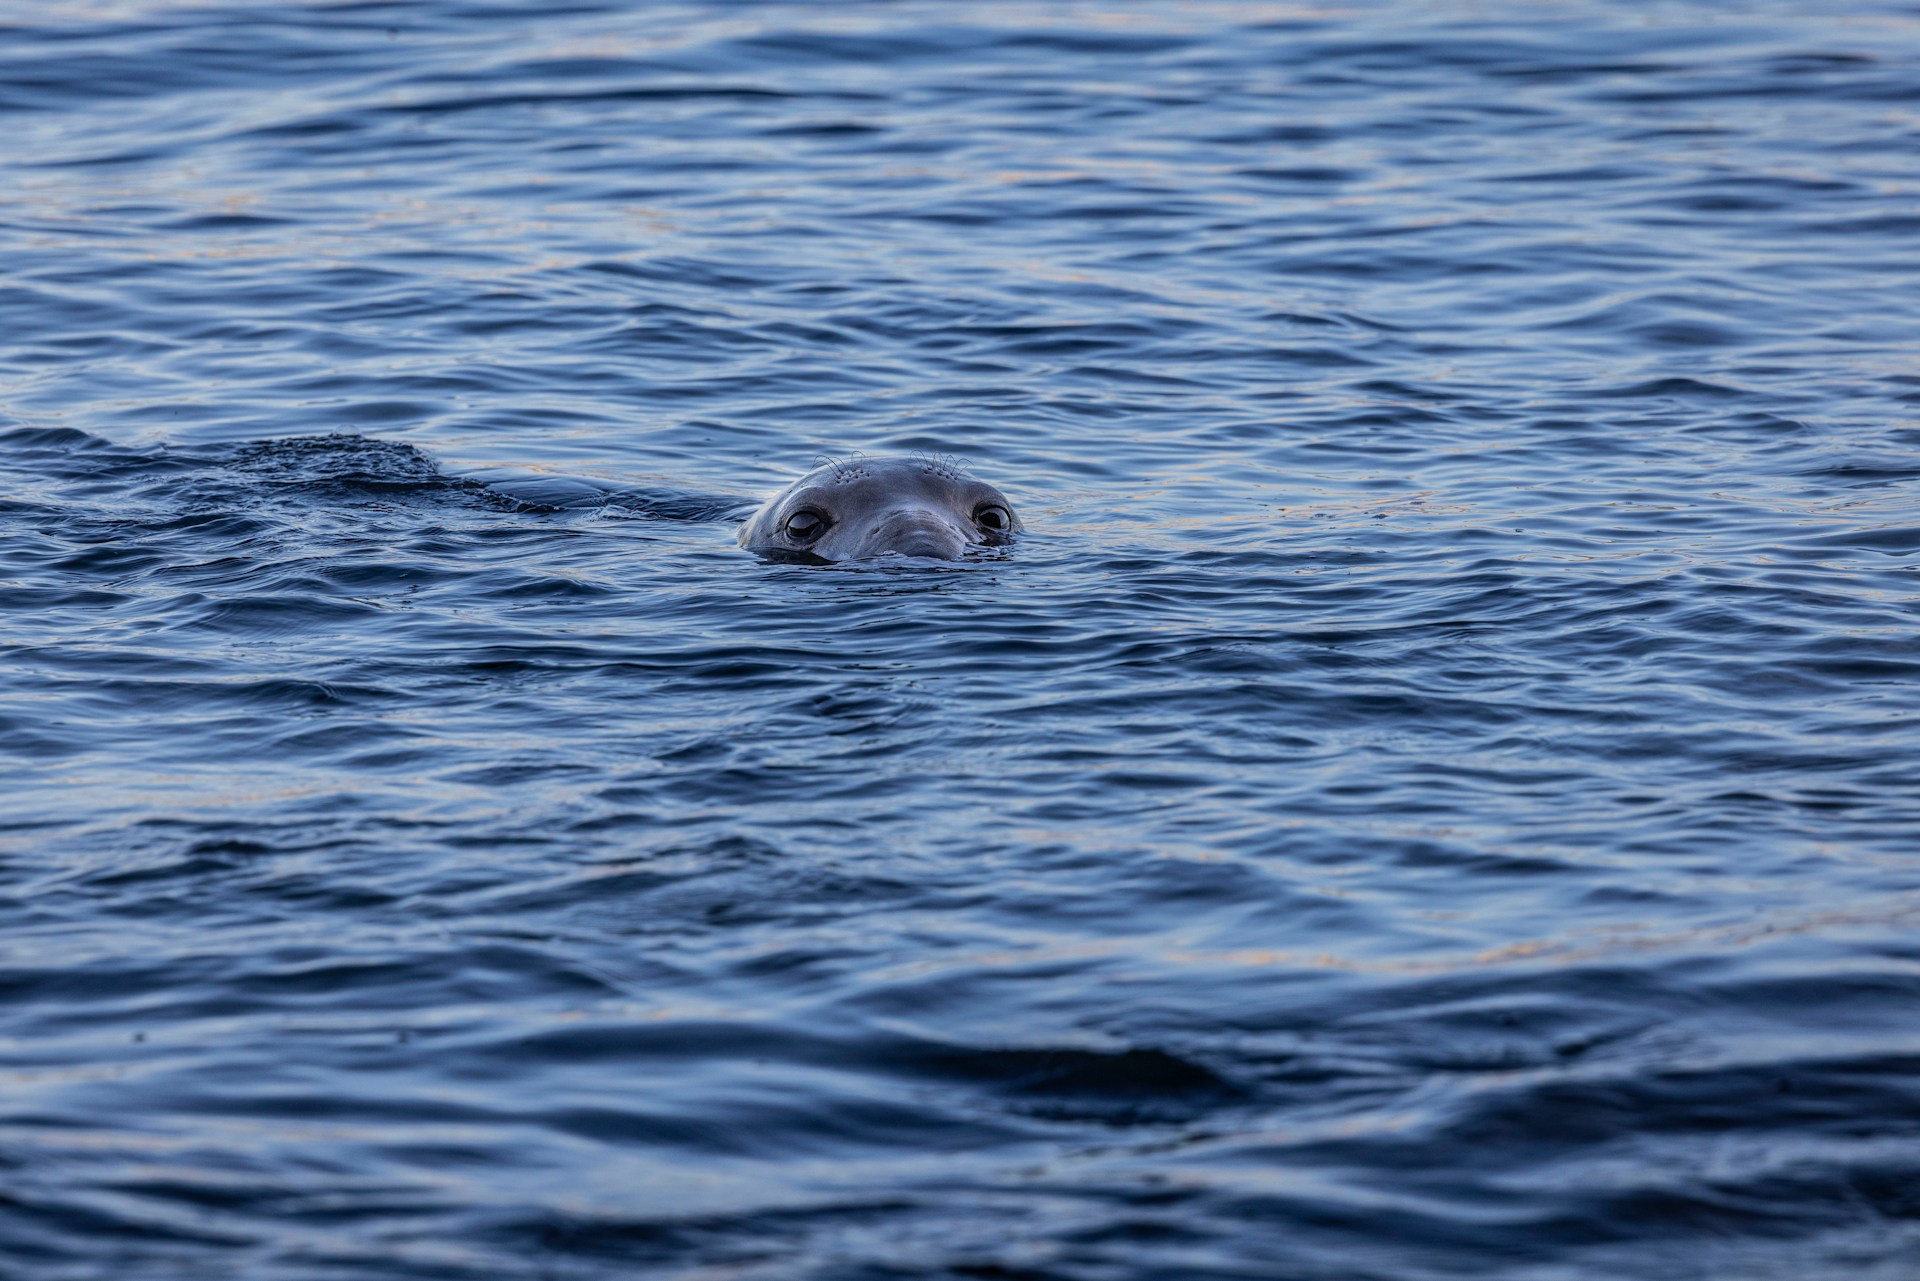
(1435, 794)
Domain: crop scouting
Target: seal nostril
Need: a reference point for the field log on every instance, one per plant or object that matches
(918, 533)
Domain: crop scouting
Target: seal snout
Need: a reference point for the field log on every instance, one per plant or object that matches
(917, 531)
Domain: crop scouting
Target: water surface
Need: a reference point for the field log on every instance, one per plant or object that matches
(1432, 796)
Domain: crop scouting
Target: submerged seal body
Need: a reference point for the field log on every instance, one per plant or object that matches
(868, 507)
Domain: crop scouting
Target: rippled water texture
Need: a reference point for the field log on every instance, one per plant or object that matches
(1434, 794)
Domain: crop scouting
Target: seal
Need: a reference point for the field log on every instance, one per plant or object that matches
(868, 507)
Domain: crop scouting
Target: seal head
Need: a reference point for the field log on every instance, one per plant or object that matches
(870, 507)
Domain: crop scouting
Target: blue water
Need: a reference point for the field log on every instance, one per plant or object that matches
(1435, 793)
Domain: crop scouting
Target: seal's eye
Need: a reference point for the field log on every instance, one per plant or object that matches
(805, 526)
(994, 517)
